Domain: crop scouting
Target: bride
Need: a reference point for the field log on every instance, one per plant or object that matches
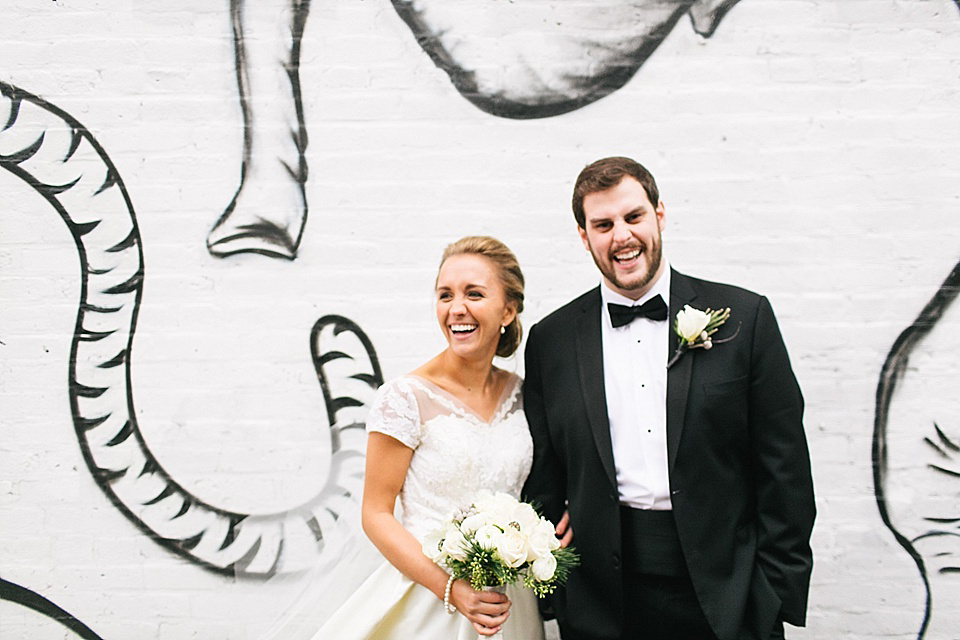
(453, 426)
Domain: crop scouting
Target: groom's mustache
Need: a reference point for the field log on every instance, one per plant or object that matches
(533, 59)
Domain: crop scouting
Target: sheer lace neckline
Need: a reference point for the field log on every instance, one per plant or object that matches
(460, 407)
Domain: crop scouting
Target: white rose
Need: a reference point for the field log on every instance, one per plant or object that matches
(511, 547)
(472, 523)
(482, 500)
(541, 541)
(431, 544)
(550, 531)
(500, 508)
(526, 516)
(487, 536)
(454, 544)
(691, 323)
(544, 567)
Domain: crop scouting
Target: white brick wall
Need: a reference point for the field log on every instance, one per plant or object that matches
(808, 150)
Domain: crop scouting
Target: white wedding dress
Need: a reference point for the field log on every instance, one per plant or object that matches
(455, 454)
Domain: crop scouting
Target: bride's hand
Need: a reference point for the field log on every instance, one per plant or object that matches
(486, 610)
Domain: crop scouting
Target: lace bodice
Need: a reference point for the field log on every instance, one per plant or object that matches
(455, 452)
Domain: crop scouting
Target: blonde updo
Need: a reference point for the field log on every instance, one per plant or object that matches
(510, 276)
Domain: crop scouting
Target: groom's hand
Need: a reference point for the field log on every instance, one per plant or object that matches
(564, 530)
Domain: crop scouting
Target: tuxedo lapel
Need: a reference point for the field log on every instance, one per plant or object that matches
(678, 376)
(590, 361)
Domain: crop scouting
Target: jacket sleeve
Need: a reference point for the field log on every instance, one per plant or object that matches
(546, 484)
(781, 460)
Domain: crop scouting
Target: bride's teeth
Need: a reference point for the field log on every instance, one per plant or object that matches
(462, 327)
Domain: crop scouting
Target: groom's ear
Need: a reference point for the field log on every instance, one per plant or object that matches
(706, 15)
(583, 237)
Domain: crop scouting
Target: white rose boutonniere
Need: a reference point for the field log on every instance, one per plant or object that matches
(695, 329)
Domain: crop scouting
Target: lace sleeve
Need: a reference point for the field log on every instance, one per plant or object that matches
(394, 412)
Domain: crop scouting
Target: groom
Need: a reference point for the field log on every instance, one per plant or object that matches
(687, 488)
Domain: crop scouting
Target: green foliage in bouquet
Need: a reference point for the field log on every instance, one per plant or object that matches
(483, 568)
(567, 559)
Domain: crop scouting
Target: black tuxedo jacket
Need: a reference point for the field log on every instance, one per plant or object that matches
(739, 467)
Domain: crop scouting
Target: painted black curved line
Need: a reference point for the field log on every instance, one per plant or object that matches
(87, 307)
(116, 361)
(86, 424)
(89, 392)
(949, 472)
(944, 439)
(76, 138)
(24, 154)
(937, 534)
(122, 436)
(247, 555)
(893, 370)
(58, 189)
(933, 445)
(94, 336)
(131, 285)
(34, 601)
(14, 111)
(130, 241)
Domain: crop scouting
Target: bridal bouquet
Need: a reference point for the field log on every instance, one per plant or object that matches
(498, 541)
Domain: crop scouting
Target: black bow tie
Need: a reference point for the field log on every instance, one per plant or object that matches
(654, 308)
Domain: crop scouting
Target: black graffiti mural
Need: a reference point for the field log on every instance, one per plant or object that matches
(927, 449)
(520, 59)
(60, 159)
(532, 59)
(31, 600)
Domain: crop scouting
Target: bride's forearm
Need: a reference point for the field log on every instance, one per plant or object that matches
(403, 551)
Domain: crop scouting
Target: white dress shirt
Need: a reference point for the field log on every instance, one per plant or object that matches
(635, 379)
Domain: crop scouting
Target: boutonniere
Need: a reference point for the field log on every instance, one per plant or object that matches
(695, 328)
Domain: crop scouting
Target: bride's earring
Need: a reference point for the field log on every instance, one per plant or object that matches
(503, 329)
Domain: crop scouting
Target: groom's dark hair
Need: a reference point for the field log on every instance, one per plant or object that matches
(607, 173)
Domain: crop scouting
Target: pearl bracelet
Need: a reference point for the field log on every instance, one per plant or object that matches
(446, 597)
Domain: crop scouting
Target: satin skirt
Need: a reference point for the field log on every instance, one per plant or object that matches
(390, 606)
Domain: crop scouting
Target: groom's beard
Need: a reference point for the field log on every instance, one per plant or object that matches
(637, 281)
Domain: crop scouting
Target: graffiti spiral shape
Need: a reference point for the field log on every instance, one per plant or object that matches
(62, 161)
